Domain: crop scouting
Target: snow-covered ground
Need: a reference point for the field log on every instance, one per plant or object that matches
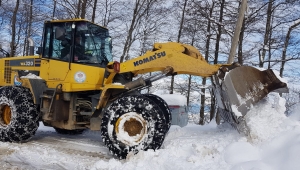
(274, 145)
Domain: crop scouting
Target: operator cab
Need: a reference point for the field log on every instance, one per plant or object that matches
(77, 41)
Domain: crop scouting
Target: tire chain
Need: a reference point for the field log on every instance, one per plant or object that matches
(134, 103)
(24, 116)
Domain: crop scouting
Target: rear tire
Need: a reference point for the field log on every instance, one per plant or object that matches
(164, 108)
(132, 123)
(18, 114)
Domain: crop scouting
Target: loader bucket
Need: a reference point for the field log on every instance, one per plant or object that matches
(244, 86)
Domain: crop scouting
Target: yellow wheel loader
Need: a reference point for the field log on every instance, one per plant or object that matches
(75, 85)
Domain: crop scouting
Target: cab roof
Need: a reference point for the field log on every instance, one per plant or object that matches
(73, 20)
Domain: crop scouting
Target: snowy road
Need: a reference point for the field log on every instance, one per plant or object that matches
(50, 150)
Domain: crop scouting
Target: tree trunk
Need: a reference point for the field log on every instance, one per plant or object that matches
(83, 9)
(269, 45)
(212, 104)
(237, 31)
(78, 9)
(181, 21)
(213, 108)
(188, 91)
(178, 40)
(54, 9)
(29, 27)
(219, 32)
(267, 33)
(240, 49)
(106, 14)
(207, 44)
(94, 10)
(286, 43)
(172, 85)
(13, 30)
(202, 106)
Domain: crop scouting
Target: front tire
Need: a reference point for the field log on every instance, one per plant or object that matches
(18, 115)
(132, 123)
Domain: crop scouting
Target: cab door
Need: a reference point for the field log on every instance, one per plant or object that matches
(55, 65)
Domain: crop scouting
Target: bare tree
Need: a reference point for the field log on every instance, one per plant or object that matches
(178, 39)
(139, 11)
(267, 32)
(108, 8)
(286, 43)
(28, 29)
(13, 44)
(83, 8)
(207, 46)
(94, 10)
(54, 8)
(219, 32)
(72, 9)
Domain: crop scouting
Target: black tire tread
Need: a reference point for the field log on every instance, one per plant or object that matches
(133, 103)
(164, 107)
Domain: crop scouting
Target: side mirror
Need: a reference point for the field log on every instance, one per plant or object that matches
(60, 33)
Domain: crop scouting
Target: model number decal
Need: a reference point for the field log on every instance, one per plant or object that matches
(22, 62)
(27, 63)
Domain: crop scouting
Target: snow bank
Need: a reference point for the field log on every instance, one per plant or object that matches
(296, 113)
(266, 119)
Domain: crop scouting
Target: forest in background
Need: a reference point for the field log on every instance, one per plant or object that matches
(269, 36)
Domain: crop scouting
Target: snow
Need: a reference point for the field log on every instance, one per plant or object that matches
(173, 99)
(280, 78)
(31, 76)
(274, 145)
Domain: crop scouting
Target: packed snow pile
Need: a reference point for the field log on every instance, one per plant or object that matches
(267, 119)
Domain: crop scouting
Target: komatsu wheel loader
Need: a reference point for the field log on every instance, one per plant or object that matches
(73, 85)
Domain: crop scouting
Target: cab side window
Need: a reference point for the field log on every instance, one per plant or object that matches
(61, 41)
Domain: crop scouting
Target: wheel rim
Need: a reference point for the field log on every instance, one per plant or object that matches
(5, 115)
(131, 128)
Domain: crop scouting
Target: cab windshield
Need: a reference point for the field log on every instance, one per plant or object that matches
(78, 42)
(93, 43)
